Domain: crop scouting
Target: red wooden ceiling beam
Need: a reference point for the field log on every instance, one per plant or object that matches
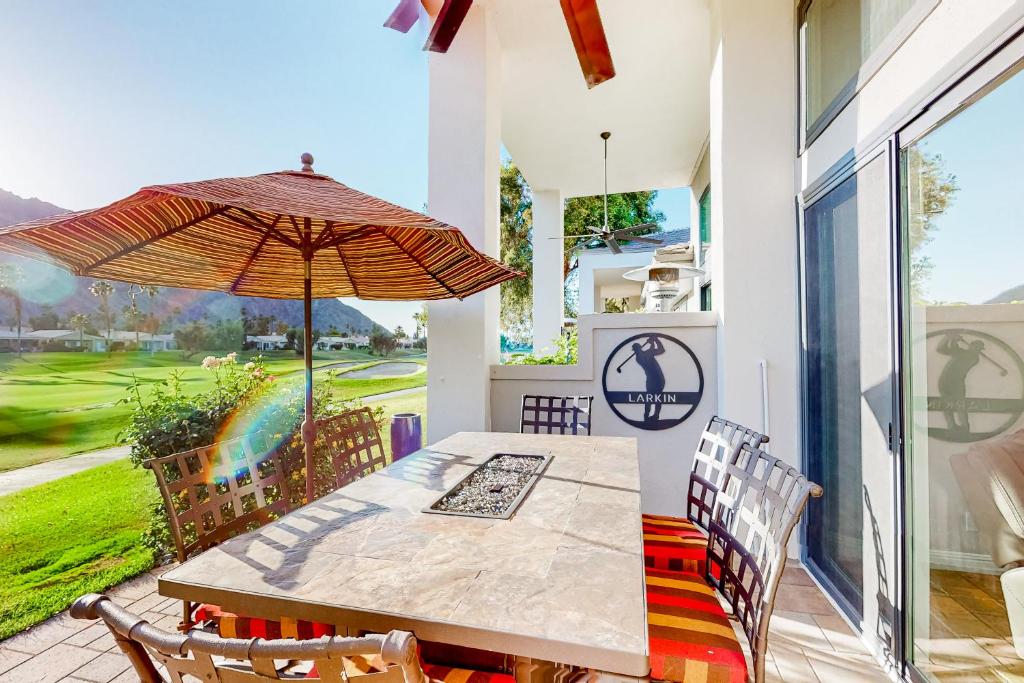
(587, 32)
(447, 24)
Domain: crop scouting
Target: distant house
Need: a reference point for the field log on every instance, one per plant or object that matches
(9, 338)
(336, 343)
(601, 272)
(267, 342)
(147, 342)
(71, 339)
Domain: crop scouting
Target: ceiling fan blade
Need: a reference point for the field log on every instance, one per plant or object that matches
(613, 244)
(635, 228)
(447, 24)
(587, 33)
(646, 240)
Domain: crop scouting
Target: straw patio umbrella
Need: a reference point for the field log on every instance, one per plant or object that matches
(285, 235)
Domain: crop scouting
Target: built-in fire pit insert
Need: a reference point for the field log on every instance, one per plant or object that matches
(495, 489)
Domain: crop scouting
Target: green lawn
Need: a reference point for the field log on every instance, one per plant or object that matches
(83, 533)
(53, 405)
(72, 536)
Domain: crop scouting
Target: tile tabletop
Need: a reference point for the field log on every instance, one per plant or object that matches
(562, 580)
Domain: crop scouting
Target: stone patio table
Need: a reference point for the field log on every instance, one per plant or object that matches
(561, 581)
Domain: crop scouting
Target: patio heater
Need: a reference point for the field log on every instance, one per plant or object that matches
(664, 284)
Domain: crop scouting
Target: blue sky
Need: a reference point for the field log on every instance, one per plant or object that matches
(103, 97)
(979, 240)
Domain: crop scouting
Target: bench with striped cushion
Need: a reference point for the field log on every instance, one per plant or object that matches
(674, 544)
(231, 625)
(690, 636)
(447, 674)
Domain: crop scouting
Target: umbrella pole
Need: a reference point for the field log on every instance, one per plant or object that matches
(308, 428)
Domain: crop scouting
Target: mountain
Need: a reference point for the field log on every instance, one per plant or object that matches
(1009, 296)
(15, 209)
(50, 288)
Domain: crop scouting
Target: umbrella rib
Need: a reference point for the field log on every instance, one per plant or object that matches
(252, 257)
(324, 236)
(261, 226)
(348, 271)
(341, 239)
(418, 263)
(149, 240)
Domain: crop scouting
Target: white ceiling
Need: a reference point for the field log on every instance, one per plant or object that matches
(656, 106)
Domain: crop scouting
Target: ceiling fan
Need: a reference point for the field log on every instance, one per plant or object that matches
(604, 233)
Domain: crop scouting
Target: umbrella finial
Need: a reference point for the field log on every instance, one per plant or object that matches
(307, 162)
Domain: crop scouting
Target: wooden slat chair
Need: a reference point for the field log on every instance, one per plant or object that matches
(353, 443)
(555, 414)
(216, 492)
(680, 543)
(691, 637)
(201, 656)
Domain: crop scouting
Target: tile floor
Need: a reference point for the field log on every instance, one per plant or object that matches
(969, 635)
(809, 642)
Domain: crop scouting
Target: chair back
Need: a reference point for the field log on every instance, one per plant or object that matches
(718, 446)
(555, 415)
(209, 658)
(216, 492)
(353, 442)
(758, 506)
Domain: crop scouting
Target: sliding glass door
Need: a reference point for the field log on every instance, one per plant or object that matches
(963, 267)
(848, 389)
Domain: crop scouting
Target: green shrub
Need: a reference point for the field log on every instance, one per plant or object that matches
(245, 399)
(565, 354)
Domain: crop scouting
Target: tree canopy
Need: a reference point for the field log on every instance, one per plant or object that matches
(581, 213)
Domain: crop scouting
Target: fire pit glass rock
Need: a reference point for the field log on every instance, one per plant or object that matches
(494, 489)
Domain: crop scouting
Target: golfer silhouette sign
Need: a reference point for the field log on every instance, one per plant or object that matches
(980, 385)
(653, 381)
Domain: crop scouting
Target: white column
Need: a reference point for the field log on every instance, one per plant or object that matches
(548, 285)
(463, 165)
(753, 218)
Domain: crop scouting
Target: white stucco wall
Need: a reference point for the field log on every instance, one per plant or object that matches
(464, 161)
(666, 455)
(753, 222)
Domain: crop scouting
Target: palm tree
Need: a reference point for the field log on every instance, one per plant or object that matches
(103, 289)
(151, 292)
(11, 277)
(79, 321)
(175, 316)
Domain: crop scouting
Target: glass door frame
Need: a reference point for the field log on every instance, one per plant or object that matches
(832, 179)
(967, 88)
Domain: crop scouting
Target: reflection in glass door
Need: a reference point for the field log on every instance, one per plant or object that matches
(848, 404)
(964, 270)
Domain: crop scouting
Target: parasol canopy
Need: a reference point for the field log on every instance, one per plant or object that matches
(285, 235)
(250, 236)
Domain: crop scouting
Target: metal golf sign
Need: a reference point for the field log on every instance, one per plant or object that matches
(652, 381)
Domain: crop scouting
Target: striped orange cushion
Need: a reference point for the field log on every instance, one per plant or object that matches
(690, 636)
(230, 625)
(447, 674)
(674, 544)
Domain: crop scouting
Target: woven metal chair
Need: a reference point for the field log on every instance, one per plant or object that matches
(209, 658)
(555, 414)
(680, 543)
(216, 492)
(758, 506)
(353, 442)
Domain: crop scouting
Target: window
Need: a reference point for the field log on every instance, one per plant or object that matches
(839, 37)
(705, 297)
(705, 217)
